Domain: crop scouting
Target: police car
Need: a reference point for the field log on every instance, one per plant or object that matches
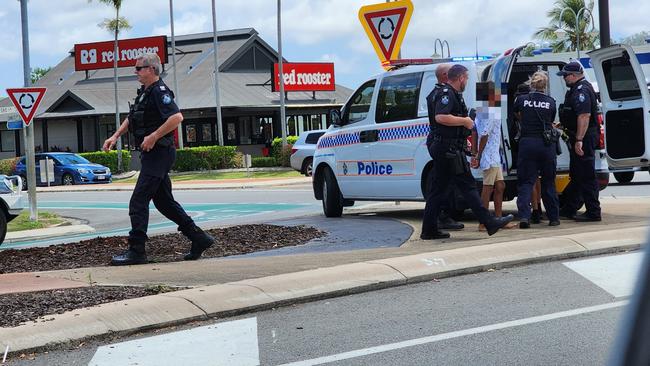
(11, 201)
(376, 146)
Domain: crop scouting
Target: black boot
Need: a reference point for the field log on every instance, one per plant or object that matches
(536, 216)
(447, 223)
(134, 255)
(495, 223)
(200, 242)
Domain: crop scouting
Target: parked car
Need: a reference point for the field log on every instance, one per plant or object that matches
(69, 169)
(302, 152)
(11, 202)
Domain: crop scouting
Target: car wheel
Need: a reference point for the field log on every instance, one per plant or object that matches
(332, 202)
(67, 180)
(624, 177)
(3, 226)
(307, 167)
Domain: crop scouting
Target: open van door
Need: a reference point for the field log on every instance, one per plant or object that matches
(625, 104)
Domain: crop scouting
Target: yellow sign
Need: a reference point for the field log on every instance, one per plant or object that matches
(386, 25)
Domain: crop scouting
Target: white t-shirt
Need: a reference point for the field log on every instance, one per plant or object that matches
(488, 122)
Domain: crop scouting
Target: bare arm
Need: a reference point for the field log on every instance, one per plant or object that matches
(110, 142)
(583, 124)
(170, 124)
(453, 121)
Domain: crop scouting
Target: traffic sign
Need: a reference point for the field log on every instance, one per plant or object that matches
(26, 101)
(386, 25)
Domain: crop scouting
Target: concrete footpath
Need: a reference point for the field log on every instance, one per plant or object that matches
(224, 287)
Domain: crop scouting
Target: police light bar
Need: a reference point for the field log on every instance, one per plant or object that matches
(409, 61)
(471, 58)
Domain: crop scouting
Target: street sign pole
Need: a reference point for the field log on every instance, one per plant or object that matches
(29, 131)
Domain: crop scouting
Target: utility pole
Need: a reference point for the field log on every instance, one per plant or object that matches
(177, 92)
(603, 18)
(29, 131)
(216, 75)
(283, 118)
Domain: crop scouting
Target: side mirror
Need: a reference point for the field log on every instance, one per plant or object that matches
(335, 117)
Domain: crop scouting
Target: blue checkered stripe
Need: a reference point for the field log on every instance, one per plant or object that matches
(338, 140)
(404, 132)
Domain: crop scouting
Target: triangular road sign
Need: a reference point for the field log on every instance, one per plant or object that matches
(386, 25)
(26, 101)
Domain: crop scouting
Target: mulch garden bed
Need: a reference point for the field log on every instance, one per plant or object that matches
(19, 308)
(97, 252)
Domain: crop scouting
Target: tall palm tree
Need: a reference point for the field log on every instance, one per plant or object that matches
(114, 26)
(583, 27)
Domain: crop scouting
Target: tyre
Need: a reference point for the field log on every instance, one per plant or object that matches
(624, 177)
(3, 226)
(307, 167)
(67, 179)
(332, 200)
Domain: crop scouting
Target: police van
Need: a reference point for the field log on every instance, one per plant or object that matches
(623, 76)
(376, 147)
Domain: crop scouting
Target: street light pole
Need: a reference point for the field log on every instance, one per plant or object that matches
(283, 122)
(581, 11)
(216, 75)
(179, 130)
(603, 16)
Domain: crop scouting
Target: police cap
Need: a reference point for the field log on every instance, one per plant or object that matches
(573, 67)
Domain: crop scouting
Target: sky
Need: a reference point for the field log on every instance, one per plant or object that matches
(312, 30)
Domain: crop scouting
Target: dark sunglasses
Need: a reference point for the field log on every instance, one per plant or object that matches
(138, 68)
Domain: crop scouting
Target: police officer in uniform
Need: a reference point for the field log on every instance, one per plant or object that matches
(537, 157)
(152, 120)
(578, 115)
(447, 145)
(445, 221)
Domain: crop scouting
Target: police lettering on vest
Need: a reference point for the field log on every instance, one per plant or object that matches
(537, 113)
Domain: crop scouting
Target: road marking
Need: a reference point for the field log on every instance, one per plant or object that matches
(229, 344)
(616, 274)
(457, 334)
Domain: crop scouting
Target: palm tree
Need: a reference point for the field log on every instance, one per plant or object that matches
(114, 26)
(588, 39)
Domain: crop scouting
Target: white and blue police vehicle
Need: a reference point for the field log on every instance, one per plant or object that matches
(12, 201)
(376, 149)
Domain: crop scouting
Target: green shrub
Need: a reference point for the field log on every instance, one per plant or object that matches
(7, 166)
(205, 158)
(238, 160)
(109, 159)
(276, 146)
(262, 162)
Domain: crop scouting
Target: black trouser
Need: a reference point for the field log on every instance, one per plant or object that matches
(582, 171)
(441, 179)
(158, 189)
(536, 159)
(447, 205)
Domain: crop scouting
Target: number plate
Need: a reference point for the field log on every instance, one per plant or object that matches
(100, 177)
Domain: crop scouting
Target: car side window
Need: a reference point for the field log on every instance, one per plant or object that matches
(398, 97)
(312, 138)
(620, 79)
(359, 105)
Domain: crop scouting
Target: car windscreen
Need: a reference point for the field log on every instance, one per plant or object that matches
(71, 159)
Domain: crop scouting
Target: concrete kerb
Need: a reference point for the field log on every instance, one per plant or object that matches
(265, 293)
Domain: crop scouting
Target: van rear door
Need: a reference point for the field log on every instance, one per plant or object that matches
(625, 105)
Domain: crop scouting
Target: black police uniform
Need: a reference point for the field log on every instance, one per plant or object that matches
(447, 146)
(581, 99)
(536, 158)
(153, 106)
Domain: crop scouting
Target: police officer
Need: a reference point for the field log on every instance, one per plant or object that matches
(445, 219)
(152, 120)
(447, 145)
(579, 116)
(537, 156)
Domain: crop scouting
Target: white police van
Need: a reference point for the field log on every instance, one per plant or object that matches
(376, 146)
(624, 82)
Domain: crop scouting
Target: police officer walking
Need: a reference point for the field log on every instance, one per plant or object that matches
(579, 116)
(447, 145)
(537, 150)
(152, 120)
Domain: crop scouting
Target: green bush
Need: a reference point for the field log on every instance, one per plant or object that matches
(276, 146)
(205, 158)
(7, 166)
(109, 159)
(262, 162)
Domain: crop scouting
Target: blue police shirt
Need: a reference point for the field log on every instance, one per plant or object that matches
(537, 113)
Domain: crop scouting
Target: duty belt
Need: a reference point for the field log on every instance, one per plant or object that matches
(449, 140)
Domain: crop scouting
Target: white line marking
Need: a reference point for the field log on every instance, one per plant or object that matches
(616, 274)
(457, 334)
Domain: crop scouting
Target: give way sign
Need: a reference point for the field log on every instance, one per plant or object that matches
(26, 101)
(386, 25)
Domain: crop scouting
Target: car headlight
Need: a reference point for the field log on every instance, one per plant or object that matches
(82, 171)
(108, 171)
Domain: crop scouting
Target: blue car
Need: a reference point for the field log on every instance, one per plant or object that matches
(69, 169)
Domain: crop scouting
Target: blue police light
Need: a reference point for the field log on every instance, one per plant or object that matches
(537, 52)
(647, 40)
(471, 58)
(546, 49)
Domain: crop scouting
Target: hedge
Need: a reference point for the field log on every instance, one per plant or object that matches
(205, 158)
(262, 162)
(281, 154)
(109, 159)
(7, 166)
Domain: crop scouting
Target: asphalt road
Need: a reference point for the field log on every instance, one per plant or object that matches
(561, 313)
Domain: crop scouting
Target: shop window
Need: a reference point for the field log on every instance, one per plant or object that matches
(207, 133)
(190, 133)
(8, 140)
(291, 126)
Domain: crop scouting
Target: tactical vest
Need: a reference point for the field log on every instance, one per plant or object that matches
(144, 118)
(568, 116)
(450, 132)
